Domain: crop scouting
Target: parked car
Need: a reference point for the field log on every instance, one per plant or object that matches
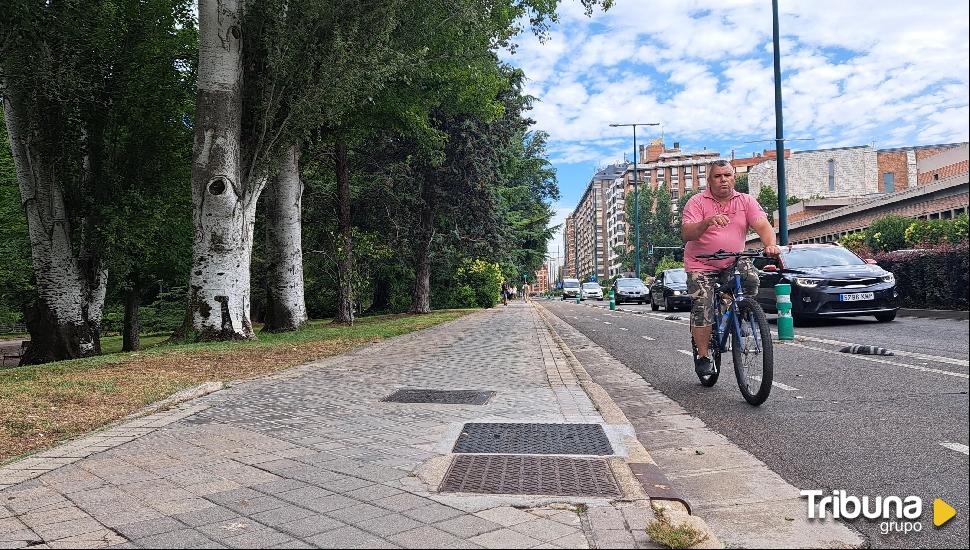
(630, 289)
(592, 290)
(670, 290)
(828, 280)
(570, 289)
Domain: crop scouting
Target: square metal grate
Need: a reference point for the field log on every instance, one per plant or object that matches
(442, 397)
(530, 475)
(534, 439)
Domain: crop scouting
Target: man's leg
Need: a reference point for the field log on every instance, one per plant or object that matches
(701, 290)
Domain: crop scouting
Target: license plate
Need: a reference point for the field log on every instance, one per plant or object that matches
(858, 297)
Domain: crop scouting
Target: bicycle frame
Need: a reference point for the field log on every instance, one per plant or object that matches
(721, 319)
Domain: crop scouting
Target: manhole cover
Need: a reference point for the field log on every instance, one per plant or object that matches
(530, 475)
(534, 439)
(445, 397)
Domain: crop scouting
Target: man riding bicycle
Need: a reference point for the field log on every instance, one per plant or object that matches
(719, 219)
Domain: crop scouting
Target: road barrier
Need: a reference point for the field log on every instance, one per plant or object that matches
(612, 301)
(786, 324)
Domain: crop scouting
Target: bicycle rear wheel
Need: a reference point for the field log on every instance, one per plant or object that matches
(753, 355)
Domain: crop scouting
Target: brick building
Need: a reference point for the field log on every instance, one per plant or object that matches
(542, 280)
(822, 173)
(744, 165)
(568, 269)
(679, 171)
(593, 222)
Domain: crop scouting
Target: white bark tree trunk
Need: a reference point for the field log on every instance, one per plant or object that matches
(286, 306)
(66, 322)
(224, 203)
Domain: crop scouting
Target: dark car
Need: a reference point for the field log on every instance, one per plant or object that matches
(828, 280)
(630, 289)
(670, 290)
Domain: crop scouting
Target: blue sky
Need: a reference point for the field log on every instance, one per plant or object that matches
(854, 72)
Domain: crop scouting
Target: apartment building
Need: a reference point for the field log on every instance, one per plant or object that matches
(594, 222)
(569, 268)
(677, 170)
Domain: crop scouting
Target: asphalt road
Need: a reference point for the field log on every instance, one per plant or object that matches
(873, 426)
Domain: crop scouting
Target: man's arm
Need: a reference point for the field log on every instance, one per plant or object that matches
(694, 231)
(767, 233)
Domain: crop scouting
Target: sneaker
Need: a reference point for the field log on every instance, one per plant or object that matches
(704, 366)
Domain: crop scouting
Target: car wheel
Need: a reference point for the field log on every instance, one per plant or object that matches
(653, 304)
(885, 317)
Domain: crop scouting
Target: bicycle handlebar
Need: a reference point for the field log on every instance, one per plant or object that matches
(723, 255)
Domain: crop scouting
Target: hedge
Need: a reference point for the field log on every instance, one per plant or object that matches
(930, 279)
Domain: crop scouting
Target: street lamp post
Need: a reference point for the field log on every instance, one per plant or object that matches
(779, 135)
(636, 187)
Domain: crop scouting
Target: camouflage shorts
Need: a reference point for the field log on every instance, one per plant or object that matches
(700, 287)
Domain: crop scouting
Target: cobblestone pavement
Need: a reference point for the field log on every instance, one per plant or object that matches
(313, 458)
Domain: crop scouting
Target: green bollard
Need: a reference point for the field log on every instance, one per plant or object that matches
(579, 295)
(786, 324)
(612, 301)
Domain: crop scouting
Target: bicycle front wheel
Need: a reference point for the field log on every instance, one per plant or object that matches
(753, 355)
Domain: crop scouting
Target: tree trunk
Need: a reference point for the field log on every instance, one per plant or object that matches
(421, 297)
(224, 203)
(285, 303)
(381, 302)
(130, 338)
(65, 322)
(345, 295)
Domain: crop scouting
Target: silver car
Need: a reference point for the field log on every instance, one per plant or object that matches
(592, 290)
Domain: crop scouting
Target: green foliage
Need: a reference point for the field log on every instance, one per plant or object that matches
(768, 200)
(888, 233)
(792, 200)
(16, 281)
(932, 279)
(741, 183)
(667, 263)
(854, 241)
(934, 232)
(165, 314)
(478, 284)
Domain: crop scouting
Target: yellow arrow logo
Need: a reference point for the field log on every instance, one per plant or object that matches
(942, 512)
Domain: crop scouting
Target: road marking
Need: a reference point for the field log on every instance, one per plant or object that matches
(935, 358)
(874, 360)
(778, 385)
(685, 352)
(956, 447)
(607, 323)
(649, 338)
(621, 328)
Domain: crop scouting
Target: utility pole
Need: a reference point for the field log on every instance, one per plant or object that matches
(779, 135)
(636, 188)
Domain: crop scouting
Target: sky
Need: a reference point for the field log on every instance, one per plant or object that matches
(889, 73)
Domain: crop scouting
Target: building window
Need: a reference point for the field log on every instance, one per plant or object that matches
(673, 171)
(888, 184)
(702, 170)
(831, 164)
(674, 194)
(687, 170)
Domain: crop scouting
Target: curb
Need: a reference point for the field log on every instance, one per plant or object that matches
(935, 313)
(670, 499)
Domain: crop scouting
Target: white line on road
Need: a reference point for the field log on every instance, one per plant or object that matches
(777, 384)
(652, 339)
(685, 352)
(956, 447)
(622, 328)
(607, 323)
(874, 360)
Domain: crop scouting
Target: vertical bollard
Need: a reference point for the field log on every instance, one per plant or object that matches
(579, 295)
(786, 324)
(612, 301)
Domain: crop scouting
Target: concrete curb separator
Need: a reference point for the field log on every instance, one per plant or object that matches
(675, 511)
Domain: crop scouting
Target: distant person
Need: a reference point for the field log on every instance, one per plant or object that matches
(718, 219)
(505, 293)
(525, 292)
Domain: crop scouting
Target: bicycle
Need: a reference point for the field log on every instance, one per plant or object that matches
(742, 319)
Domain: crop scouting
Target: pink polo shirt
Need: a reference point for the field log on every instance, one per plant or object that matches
(743, 210)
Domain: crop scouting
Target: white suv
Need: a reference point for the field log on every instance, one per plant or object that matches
(592, 290)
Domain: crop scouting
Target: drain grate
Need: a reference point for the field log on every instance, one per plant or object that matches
(443, 397)
(534, 439)
(530, 475)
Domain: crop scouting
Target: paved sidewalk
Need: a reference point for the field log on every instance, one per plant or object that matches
(314, 458)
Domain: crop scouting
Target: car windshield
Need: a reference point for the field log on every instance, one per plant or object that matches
(798, 258)
(591, 286)
(570, 284)
(678, 276)
(629, 282)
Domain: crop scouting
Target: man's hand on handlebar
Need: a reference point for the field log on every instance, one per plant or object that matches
(772, 251)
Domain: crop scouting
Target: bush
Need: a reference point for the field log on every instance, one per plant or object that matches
(855, 242)
(888, 233)
(478, 284)
(930, 279)
(667, 263)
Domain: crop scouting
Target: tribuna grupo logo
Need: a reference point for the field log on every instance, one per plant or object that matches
(896, 514)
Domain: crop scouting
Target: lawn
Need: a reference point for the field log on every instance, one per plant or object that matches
(42, 405)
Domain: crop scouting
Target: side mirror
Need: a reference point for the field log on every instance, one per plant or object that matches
(871, 261)
(770, 268)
